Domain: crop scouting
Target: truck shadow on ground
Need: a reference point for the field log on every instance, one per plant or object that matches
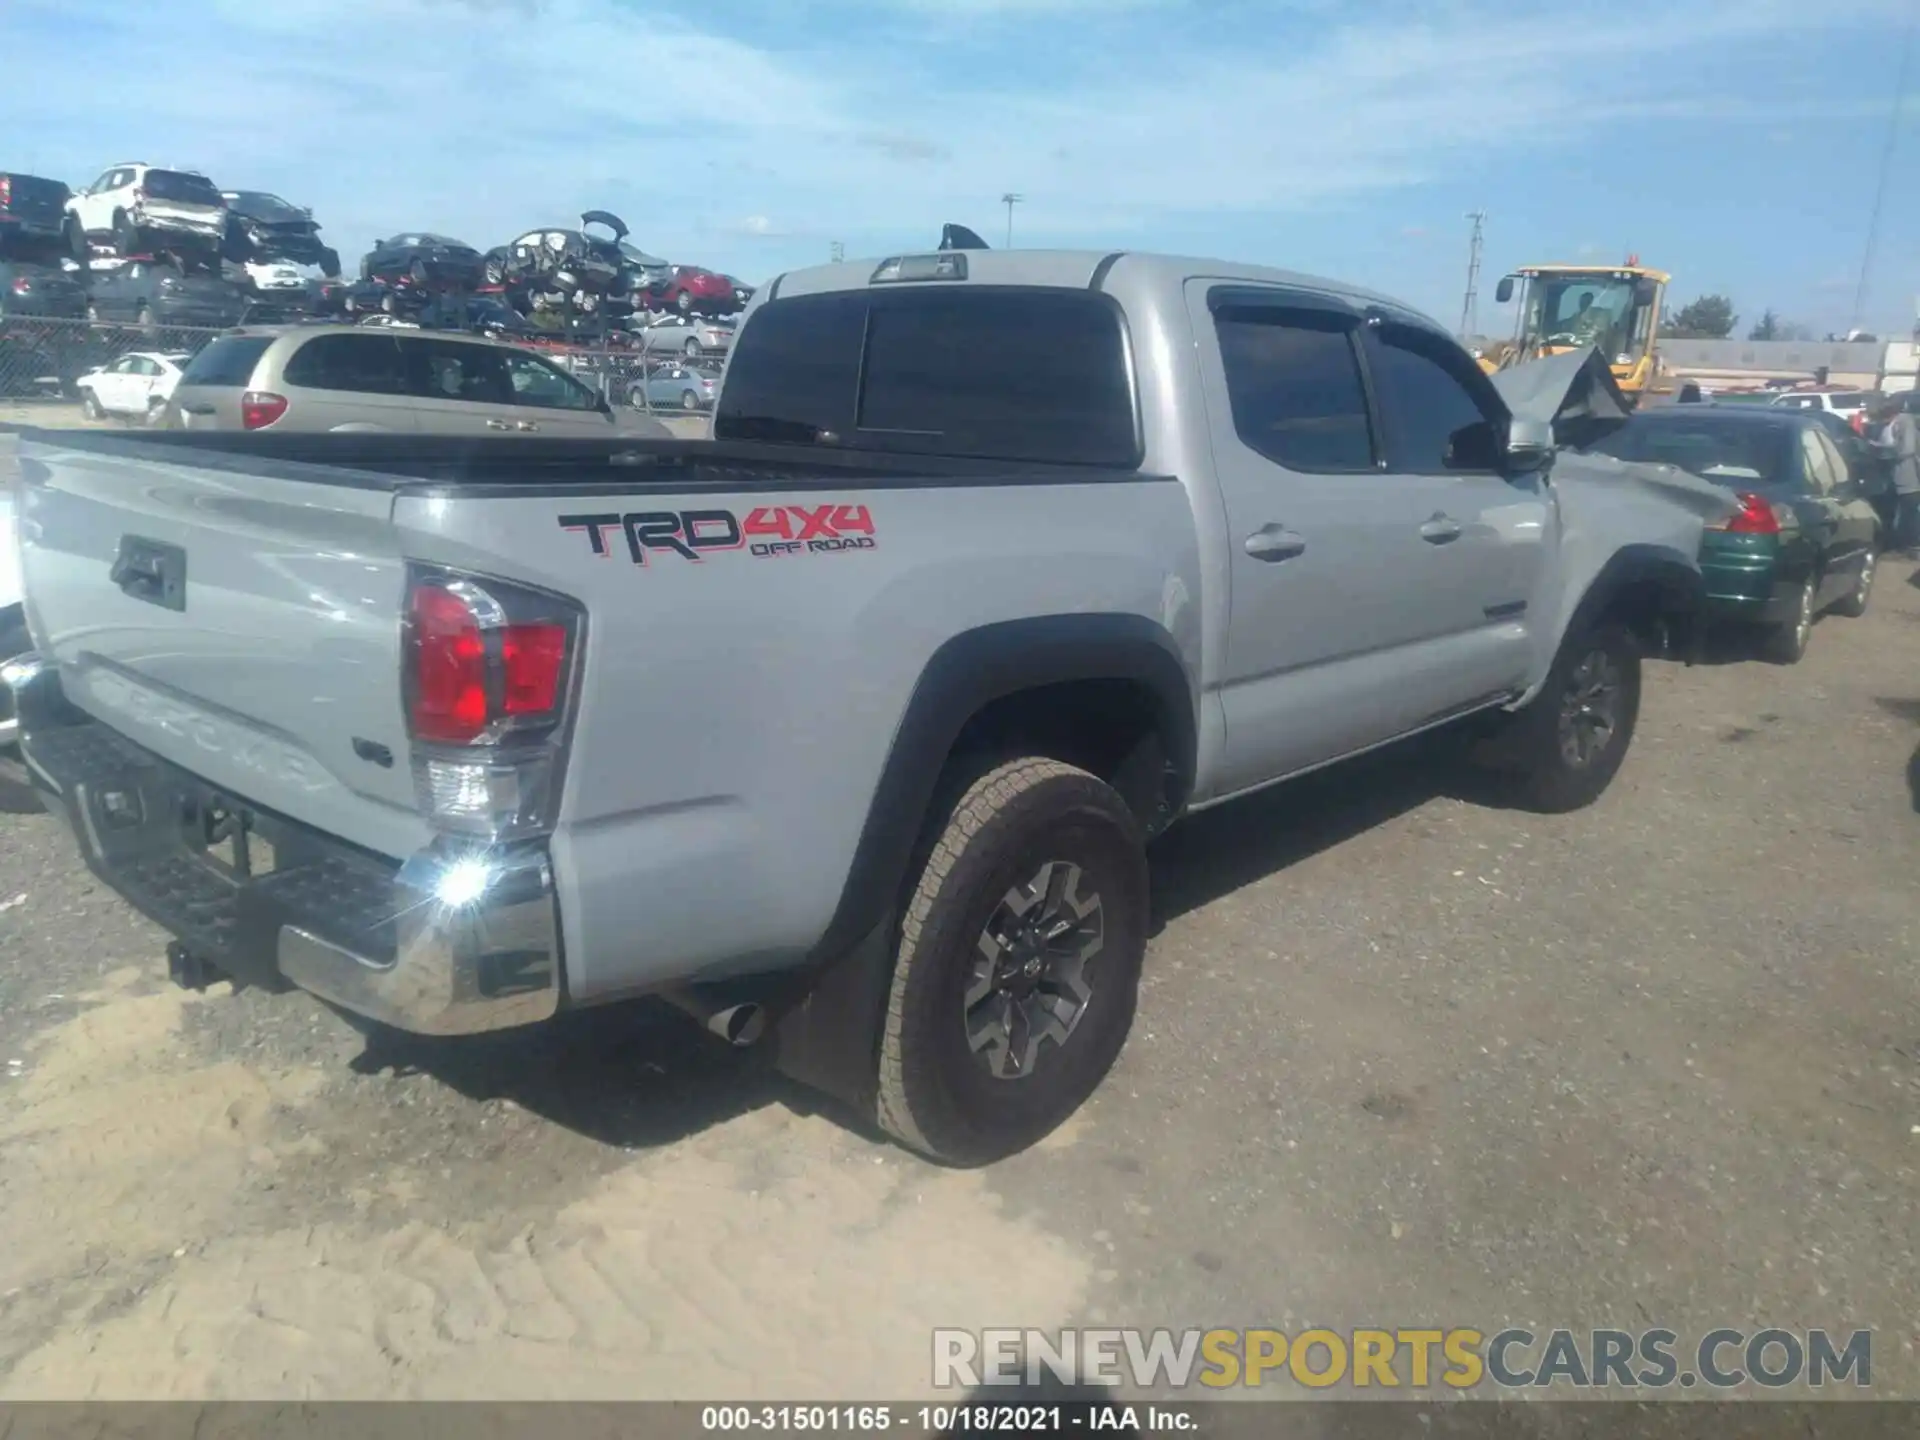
(637, 1075)
(1908, 710)
(640, 1075)
(1220, 851)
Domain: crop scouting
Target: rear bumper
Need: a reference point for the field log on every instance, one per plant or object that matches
(452, 942)
(211, 227)
(1747, 588)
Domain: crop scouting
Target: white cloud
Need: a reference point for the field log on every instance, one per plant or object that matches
(482, 117)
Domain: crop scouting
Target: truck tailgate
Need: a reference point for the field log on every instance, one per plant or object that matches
(240, 621)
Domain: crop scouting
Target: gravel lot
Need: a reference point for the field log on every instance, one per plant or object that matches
(1403, 1058)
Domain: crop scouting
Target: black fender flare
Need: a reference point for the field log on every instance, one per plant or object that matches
(1671, 577)
(967, 673)
(830, 1009)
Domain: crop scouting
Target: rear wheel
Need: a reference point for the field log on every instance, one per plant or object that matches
(1786, 644)
(693, 349)
(683, 302)
(689, 400)
(1855, 605)
(1019, 964)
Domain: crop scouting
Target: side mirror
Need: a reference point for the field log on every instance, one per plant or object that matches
(1503, 292)
(1530, 446)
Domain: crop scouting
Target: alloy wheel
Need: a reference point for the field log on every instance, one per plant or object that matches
(1590, 709)
(1029, 984)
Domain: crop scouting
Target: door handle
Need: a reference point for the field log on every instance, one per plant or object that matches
(1275, 542)
(500, 424)
(1440, 530)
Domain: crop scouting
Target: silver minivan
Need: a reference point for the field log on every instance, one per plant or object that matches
(420, 382)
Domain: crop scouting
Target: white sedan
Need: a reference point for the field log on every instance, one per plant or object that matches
(138, 384)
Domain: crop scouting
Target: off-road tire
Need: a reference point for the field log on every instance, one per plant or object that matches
(1545, 777)
(934, 1095)
(1855, 605)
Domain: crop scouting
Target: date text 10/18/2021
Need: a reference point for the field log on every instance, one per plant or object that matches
(946, 1419)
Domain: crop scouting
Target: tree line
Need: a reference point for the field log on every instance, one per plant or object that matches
(1711, 317)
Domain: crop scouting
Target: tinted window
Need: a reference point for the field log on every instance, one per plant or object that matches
(227, 361)
(363, 364)
(1038, 376)
(262, 206)
(448, 370)
(537, 383)
(1034, 375)
(188, 189)
(795, 370)
(1293, 383)
(1848, 399)
(1727, 449)
(1434, 420)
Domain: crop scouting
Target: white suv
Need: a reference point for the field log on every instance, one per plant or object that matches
(1844, 403)
(138, 208)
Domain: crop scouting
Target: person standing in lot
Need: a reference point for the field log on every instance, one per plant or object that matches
(1899, 443)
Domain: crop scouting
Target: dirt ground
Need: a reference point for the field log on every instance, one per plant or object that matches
(1402, 1058)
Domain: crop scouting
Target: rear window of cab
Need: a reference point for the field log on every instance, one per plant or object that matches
(976, 372)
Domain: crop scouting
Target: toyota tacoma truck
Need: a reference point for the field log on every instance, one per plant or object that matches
(847, 729)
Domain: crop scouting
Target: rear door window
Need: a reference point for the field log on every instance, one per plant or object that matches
(362, 364)
(448, 370)
(227, 361)
(1294, 386)
(1816, 468)
(536, 383)
(1034, 375)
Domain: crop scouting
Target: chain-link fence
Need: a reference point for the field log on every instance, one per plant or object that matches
(71, 372)
(42, 361)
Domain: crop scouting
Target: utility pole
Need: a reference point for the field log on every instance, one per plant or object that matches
(1010, 200)
(1886, 166)
(1470, 307)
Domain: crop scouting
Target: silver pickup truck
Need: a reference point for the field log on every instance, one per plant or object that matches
(848, 729)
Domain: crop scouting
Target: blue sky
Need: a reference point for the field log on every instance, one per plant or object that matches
(1733, 142)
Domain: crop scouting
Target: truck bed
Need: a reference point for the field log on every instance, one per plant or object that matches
(723, 637)
(441, 464)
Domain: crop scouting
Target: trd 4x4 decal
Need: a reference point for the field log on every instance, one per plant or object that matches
(766, 532)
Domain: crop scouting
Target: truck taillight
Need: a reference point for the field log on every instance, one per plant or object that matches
(260, 408)
(488, 683)
(6, 191)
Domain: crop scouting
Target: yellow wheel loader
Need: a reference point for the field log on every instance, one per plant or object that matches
(1615, 308)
